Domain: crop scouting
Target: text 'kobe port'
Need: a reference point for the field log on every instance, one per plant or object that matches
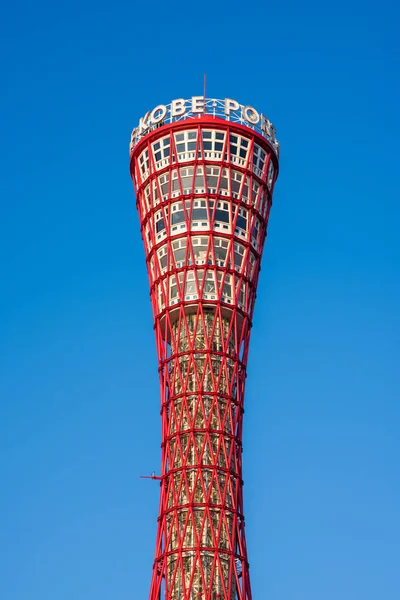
(227, 109)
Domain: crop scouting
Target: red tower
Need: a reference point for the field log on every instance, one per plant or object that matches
(204, 172)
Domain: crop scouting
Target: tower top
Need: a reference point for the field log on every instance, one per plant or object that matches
(197, 106)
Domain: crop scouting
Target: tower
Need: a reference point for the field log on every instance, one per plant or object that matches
(203, 172)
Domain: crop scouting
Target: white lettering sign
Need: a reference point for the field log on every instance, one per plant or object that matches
(227, 109)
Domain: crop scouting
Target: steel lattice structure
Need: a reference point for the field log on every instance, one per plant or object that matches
(204, 191)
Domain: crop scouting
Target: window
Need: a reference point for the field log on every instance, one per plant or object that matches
(271, 171)
(156, 196)
(163, 181)
(190, 284)
(162, 255)
(259, 157)
(186, 175)
(199, 186)
(238, 148)
(250, 265)
(212, 176)
(179, 250)
(236, 182)
(239, 252)
(245, 189)
(185, 144)
(152, 268)
(160, 223)
(199, 282)
(147, 237)
(178, 217)
(217, 182)
(242, 295)
(213, 144)
(224, 183)
(200, 249)
(222, 215)
(177, 214)
(256, 191)
(209, 290)
(220, 251)
(161, 152)
(226, 292)
(199, 214)
(241, 222)
(173, 289)
(255, 233)
(175, 188)
(144, 164)
(263, 203)
(161, 295)
(147, 197)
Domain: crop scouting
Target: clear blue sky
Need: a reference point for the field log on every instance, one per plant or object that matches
(79, 413)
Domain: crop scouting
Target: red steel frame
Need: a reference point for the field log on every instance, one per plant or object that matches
(202, 342)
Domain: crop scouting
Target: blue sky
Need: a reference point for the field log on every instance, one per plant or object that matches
(79, 412)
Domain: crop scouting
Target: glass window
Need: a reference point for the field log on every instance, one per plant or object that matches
(190, 285)
(256, 229)
(224, 185)
(159, 220)
(239, 252)
(186, 175)
(177, 217)
(162, 258)
(242, 295)
(200, 250)
(156, 196)
(144, 164)
(177, 213)
(147, 197)
(161, 296)
(163, 183)
(222, 215)
(212, 176)
(179, 250)
(259, 157)
(271, 171)
(161, 152)
(241, 226)
(185, 143)
(173, 288)
(250, 265)
(220, 251)
(255, 234)
(226, 287)
(238, 148)
(209, 284)
(175, 189)
(241, 222)
(256, 191)
(263, 203)
(213, 143)
(199, 179)
(245, 190)
(236, 182)
(199, 214)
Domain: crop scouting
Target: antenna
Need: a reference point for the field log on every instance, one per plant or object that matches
(205, 86)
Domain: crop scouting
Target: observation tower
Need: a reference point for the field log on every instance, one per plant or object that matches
(204, 172)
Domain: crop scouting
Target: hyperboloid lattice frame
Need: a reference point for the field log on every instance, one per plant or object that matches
(204, 191)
